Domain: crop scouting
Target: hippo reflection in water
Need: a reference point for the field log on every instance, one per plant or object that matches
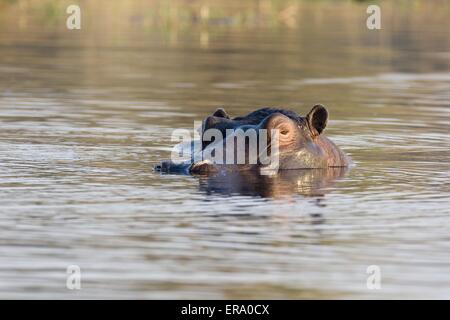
(286, 183)
(296, 141)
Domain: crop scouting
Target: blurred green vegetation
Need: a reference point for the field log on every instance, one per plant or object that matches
(179, 14)
(214, 23)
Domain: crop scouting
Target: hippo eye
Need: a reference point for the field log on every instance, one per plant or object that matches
(283, 126)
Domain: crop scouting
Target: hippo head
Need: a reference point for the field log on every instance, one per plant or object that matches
(295, 142)
(301, 144)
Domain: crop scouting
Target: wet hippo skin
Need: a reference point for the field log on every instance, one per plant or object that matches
(301, 142)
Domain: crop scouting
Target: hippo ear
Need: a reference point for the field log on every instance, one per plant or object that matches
(286, 127)
(317, 119)
(221, 113)
(215, 122)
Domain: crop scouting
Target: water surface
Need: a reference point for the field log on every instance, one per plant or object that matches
(85, 115)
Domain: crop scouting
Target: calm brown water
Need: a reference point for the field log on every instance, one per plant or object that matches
(85, 115)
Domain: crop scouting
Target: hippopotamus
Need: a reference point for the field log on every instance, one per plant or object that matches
(300, 143)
